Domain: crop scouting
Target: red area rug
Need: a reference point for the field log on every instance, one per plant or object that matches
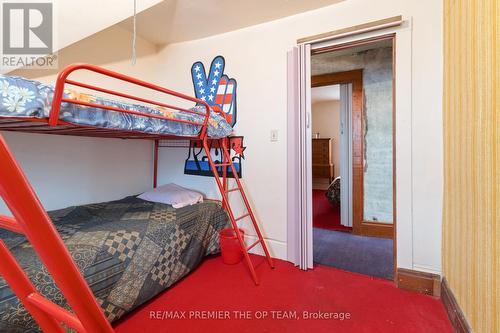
(325, 215)
(287, 300)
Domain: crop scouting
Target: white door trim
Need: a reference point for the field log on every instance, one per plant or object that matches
(299, 234)
(403, 143)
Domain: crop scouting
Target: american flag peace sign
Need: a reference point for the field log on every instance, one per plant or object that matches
(218, 90)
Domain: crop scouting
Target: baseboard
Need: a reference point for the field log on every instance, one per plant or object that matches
(276, 248)
(427, 269)
(421, 282)
(455, 314)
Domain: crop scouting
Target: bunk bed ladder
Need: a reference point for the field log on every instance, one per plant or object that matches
(222, 185)
(31, 220)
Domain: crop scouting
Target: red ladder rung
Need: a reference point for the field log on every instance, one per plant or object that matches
(222, 184)
(10, 224)
(242, 217)
(253, 245)
(56, 311)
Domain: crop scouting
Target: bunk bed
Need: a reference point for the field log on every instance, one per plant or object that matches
(45, 268)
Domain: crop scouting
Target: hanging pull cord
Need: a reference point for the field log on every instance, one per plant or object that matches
(134, 37)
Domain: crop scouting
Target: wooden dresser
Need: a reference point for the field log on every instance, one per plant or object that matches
(322, 167)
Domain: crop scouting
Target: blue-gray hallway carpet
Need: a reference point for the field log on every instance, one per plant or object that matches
(360, 254)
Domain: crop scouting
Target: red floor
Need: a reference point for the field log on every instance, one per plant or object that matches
(325, 215)
(374, 305)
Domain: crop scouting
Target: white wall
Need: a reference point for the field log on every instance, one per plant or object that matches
(256, 57)
(66, 170)
(326, 121)
(78, 19)
(112, 49)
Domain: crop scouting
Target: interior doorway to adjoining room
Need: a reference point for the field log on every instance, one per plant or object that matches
(353, 157)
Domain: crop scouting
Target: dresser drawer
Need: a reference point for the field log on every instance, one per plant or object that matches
(322, 171)
(322, 166)
(321, 151)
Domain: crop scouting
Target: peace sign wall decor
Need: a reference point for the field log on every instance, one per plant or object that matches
(218, 91)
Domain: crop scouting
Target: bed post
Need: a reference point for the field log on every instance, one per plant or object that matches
(224, 168)
(155, 163)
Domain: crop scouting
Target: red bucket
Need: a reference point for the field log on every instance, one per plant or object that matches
(230, 246)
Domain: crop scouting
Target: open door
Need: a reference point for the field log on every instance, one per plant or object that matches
(346, 154)
(299, 235)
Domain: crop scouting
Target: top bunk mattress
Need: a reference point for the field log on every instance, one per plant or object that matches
(23, 98)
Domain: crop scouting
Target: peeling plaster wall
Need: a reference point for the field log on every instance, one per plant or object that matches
(377, 85)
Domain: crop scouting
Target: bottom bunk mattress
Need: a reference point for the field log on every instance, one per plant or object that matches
(128, 251)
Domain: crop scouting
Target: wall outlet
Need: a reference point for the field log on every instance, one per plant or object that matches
(274, 135)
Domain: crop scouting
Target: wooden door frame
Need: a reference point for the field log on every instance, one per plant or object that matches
(355, 77)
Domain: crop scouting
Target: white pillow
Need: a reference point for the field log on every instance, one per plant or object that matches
(172, 194)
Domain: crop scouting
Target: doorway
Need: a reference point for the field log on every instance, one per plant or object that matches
(352, 151)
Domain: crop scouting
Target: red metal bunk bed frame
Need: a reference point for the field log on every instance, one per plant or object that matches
(30, 218)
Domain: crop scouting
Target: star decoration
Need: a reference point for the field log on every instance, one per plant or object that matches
(238, 149)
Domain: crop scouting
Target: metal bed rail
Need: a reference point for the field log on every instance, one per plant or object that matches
(63, 80)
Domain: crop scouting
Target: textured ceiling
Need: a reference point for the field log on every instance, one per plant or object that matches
(324, 63)
(181, 20)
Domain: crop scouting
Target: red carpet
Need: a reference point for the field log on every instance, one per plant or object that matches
(373, 305)
(325, 215)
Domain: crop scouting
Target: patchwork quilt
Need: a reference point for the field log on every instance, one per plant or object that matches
(333, 192)
(23, 98)
(128, 251)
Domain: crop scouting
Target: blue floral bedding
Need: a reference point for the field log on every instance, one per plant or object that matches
(23, 98)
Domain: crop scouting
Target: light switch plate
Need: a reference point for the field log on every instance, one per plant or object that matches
(274, 135)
